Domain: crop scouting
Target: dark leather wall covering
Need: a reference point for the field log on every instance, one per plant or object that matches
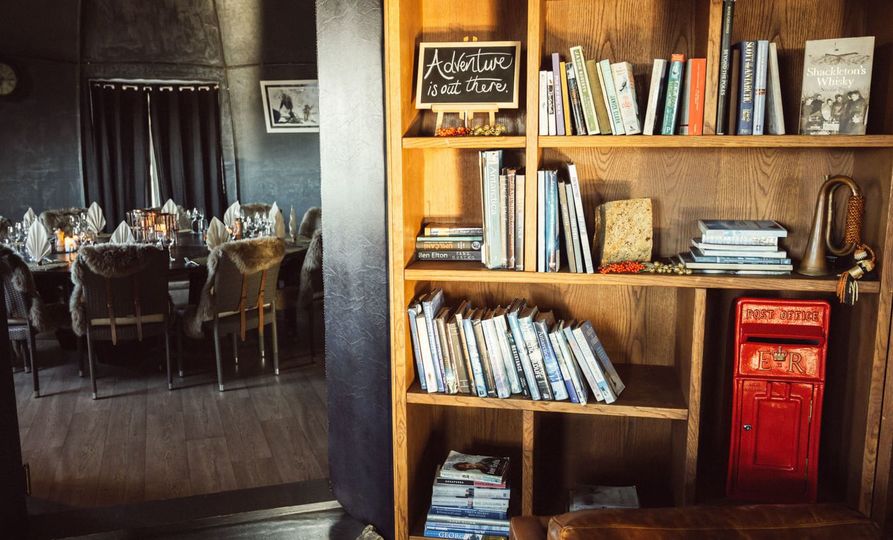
(355, 261)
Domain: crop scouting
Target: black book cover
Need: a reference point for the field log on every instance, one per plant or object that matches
(725, 62)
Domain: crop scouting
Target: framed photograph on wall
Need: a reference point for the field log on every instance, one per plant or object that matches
(291, 106)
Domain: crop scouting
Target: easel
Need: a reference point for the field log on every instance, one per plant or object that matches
(466, 113)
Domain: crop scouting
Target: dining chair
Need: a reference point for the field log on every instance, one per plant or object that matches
(311, 222)
(5, 224)
(120, 293)
(310, 287)
(59, 218)
(239, 295)
(27, 316)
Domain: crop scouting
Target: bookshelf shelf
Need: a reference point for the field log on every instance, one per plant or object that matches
(684, 321)
(464, 142)
(719, 141)
(474, 272)
(651, 392)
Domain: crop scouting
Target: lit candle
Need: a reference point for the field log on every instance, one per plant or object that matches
(71, 245)
(60, 240)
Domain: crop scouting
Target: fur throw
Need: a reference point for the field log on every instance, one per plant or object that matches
(249, 256)
(16, 273)
(311, 271)
(108, 261)
(311, 222)
(58, 219)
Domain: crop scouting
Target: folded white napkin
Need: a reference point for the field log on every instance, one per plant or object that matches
(231, 214)
(278, 221)
(217, 234)
(170, 207)
(95, 219)
(29, 218)
(293, 224)
(38, 241)
(123, 235)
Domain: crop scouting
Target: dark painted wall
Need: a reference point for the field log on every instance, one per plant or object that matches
(234, 42)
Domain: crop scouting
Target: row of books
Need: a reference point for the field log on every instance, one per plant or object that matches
(557, 197)
(449, 242)
(505, 351)
(744, 247)
(470, 498)
(502, 208)
(755, 103)
(588, 97)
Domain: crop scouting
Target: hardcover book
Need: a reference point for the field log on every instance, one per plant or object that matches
(586, 97)
(774, 110)
(559, 94)
(610, 92)
(565, 98)
(725, 69)
(599, 97)
(656, 97)
(697, 88)
(761, 74)
(452, 229)
(674, 94)
(624, 85)
(579, 123)
(478, 468)
(746, 87)
(836, 86)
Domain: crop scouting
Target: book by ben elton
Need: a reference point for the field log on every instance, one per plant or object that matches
(836, 86)
(470, 467)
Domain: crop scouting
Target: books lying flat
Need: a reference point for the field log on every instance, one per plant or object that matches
(691, 263)
(448, 255)
(451, 243)
(750, 258)
(479, 468)
(452, 229)
(732, 250)
(741, 232)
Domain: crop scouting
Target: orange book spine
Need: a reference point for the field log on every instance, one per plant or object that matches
(696, 96)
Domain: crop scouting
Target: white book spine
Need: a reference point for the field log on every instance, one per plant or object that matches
(774, 109)
(544, 103)
(761, 70)
(427, 358)
(600, 380)
(585, 246)
(575, 229)
(520, 187)
(497, 364)
(550, 102)
(584, 365)
(508, 359)
(625, 85)
(540, 221)
(658, 80)
(613, 105)
(572, 367)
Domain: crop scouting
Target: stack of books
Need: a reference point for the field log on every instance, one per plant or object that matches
(449, 242)
(588, 97)
(505, 351)
(470, 498)
(556, 197)
(502, 207)
(745, 247)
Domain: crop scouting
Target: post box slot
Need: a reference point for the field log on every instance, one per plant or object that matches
(782, 341)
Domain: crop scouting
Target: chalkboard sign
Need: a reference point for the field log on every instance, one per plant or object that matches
(464, 74)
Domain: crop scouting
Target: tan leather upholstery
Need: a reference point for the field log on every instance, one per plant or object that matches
(705, 522)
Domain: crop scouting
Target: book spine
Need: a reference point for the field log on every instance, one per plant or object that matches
(448, 255)
(463, 521)
(696, 96)
(550, 102)
(586, 100)
(431, 230)
(510, 220)
(518, 368)
(725, 65)
(566, 227)
(474, 358)
(460, 361)
(520, 187)
(774, 110)
(435, 526)
(521, 344)
(562, 367)
(573, 368)
(559, 94)
(583, 362)
(450, 380)
(734, 92)
(464, 502)
(481, 342)
(456, 535)
(428, 308)
(575, 230)
(684, 101)
(565, 102)
(600, 380)
(579, 123)
(655, 96)
(761, 71)
(465, 512)
(494, 225)
(497, 364)
(413, 312)
(674, 91)
(448, 245)
(741, 241)
(600, 98)
(540, 221)
(746, 87)
(536, 358)
(607, 81)
(463, 491)
(585, 246)
(553, 372)
(503, 191)
(604, 360)
(544, 103)
(508, 362)
(554, 255)
(624, 83)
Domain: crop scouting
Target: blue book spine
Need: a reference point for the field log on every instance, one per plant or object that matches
(555, 254)
(759, 88)
(465, 528)
(553, 372)
(515, 328)
(547, 220)
(474, 356)
(673, 95)
(466, 512)
(746, 87)
(454, 535)
(429, 307)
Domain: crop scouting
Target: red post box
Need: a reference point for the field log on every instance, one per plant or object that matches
(780, 351)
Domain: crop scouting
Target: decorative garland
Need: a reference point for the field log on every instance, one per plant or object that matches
(633, 267)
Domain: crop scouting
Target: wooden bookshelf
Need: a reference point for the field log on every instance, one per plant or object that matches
(670, 335)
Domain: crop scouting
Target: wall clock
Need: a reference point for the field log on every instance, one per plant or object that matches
(8, 79)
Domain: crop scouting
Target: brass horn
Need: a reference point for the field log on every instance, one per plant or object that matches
(814, 261)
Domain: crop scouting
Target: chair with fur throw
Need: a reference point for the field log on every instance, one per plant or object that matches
(310, 291)
(239, 295)
(120, 292)
(60, 218)
(26, 314)
(311, 222)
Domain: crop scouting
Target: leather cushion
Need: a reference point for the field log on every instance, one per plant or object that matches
(757, 521)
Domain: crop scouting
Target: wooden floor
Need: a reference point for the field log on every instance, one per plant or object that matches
(141, 442)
